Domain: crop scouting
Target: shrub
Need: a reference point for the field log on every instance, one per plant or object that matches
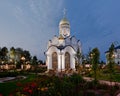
(9, 74)
(76, 79)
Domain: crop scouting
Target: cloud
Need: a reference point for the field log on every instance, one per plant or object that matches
(30, 24)
(40, 21)
(19, 15)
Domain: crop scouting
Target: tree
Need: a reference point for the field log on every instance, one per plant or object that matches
(4, 52)
(88, 55)
(78, 57)
(12, 54)
(40, 62)
(83, 62)
(27, 55)
(0, 55)
(35, 63)
(34, 60)
(95, 55)
(19, 54)
(111, 61)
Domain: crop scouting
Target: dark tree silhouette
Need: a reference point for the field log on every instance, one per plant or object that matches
(4, 52)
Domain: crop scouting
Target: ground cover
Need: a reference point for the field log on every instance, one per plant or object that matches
(44, 85)
(104, 75)
(8, 87)
(47, 85)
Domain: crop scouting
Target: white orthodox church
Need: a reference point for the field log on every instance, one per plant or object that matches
(61, 50)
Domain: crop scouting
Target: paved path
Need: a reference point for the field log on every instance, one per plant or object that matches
(102, 81)
(5, 79)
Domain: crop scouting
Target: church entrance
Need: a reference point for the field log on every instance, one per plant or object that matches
(67, 60)
(54, 61)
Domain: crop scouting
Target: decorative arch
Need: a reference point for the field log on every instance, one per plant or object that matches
(67, 60)
(54, 61)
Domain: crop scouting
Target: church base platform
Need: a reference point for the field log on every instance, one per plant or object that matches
(66, 72)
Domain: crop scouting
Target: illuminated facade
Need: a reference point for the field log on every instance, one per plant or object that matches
(61, 50)
(116, 55)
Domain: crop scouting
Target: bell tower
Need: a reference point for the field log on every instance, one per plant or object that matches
(64, 26)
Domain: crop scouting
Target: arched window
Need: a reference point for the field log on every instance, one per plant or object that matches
(67, 60)
(54, 61)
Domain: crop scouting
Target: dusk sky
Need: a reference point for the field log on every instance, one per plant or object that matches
(29, 24)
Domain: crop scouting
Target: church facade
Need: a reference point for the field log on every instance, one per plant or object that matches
(61, 50)
(116, 55)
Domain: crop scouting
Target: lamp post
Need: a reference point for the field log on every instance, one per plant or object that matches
(114, 56)
(23, 59)
(84, 61)
(91, 57)
(2, 64)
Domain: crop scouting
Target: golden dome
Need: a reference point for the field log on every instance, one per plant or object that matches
(64, 21)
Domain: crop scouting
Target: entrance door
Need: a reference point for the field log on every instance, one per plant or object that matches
(54, 61)
(67, 60)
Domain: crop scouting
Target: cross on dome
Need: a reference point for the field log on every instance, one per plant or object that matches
(64, 19)
(64, 12)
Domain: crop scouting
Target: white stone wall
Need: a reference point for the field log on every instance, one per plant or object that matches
(116, 57)
(71, 45)
(61, 57)
(49, 56)
(72, 41)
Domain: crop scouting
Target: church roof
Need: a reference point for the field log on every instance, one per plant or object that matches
(61, 37)
(117, 47)
(61, 47)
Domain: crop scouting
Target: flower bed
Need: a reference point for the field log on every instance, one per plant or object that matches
(72, 85)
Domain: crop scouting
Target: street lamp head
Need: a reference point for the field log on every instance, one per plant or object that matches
(11, 60)
(23, 58)
(113, 56)
(92, 55)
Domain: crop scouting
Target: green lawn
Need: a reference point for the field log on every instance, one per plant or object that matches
(104, 75)
(116, 77)
(65, 85)
(8, 87)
